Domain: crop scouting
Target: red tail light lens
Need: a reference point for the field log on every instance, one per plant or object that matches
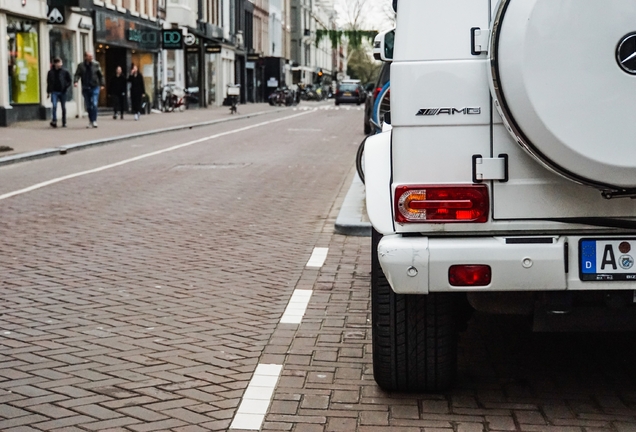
(441, 204)
(376, 91)
(469, 275)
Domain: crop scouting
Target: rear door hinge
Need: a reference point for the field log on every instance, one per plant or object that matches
(490, 168)
(479, 41)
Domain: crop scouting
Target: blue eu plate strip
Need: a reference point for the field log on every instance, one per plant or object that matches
(588, 256)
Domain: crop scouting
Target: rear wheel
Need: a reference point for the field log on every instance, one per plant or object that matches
(367, 126)
(414, 336)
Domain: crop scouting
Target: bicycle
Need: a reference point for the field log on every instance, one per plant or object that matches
(233, 92)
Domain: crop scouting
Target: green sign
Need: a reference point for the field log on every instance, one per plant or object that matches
(172, 39)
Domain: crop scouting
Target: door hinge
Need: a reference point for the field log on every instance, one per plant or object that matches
(490, 168)
(479, 41)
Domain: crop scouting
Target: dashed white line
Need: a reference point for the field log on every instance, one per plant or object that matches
(257, 397)
(143, 156)
(318, 257)
(296, 307)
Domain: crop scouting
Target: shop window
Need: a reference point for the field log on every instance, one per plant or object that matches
(211, 75)
(24, 61)
(171, 66)
(63, 46)
(146, 65)
(192, 69)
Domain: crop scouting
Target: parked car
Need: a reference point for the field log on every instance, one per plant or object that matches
(372, 93)
(507, 182)
(350, 91)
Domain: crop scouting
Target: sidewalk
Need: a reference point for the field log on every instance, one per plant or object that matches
(352, 219)
(34, 139)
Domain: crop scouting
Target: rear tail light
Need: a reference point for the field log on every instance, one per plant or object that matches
(469, 275)
(441, 204)
(376, 92)
(357, 93)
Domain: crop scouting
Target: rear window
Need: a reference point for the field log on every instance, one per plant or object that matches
(348, 87)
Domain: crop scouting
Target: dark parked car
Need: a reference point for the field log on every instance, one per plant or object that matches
(350, 91)
(383, 78)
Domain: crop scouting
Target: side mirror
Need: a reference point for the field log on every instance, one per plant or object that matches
(370, 87)
(383, 46)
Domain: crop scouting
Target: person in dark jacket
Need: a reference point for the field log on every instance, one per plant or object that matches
(90, 72)
(137, 90)
(58, 81)
(117, 89)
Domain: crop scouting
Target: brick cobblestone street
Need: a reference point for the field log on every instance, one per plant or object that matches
(142, 297)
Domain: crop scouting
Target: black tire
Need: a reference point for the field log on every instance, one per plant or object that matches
(414, 337)
(359, 157)
(367, 126)
(337, 103)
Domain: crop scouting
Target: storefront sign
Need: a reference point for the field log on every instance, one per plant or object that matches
(71, 3)
(253, 57)
(172, 39)
(190, 39)
(56, 16)
(122, 32)
(213, 49)
(84, 25)
(145, 38)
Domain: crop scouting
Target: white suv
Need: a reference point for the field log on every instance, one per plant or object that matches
(507, 180)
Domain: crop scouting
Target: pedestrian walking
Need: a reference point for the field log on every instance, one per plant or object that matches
(90, 72)
(117, 89)
(137, 90)
(58, 81)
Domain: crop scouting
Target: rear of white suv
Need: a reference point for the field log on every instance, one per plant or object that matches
(507, 179)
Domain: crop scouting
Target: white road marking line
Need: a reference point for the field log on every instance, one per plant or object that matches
(318, 257)
(296, 307)
(140, 157)
(257, 397)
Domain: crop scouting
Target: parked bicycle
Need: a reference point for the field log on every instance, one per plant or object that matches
(233, 93)
(281, 96)
(173, 98)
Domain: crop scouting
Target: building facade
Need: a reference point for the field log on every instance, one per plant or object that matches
(24, 54)
(311, 63)
(70, 29)
(127, 33)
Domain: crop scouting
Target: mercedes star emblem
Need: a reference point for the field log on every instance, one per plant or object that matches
(626, 54)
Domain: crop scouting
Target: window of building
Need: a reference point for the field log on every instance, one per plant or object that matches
(63, 46)
(24, 61)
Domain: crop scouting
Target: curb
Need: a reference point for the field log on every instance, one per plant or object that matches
(350, 218)
(39, 154)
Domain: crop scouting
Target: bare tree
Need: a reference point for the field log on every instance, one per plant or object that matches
(353, 13)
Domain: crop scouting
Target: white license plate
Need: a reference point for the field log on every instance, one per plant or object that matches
(607, 259)
(347, 94)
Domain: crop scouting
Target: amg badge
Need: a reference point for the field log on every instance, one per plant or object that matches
(448, 111)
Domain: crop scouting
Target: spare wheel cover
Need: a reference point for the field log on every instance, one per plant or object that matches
(565, 85)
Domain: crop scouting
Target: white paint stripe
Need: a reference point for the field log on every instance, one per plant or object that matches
(144, 156)
(318, 257)
(297, 306)
(257, 397)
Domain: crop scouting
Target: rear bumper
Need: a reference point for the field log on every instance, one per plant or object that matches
(347, 99)
(419, 265)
